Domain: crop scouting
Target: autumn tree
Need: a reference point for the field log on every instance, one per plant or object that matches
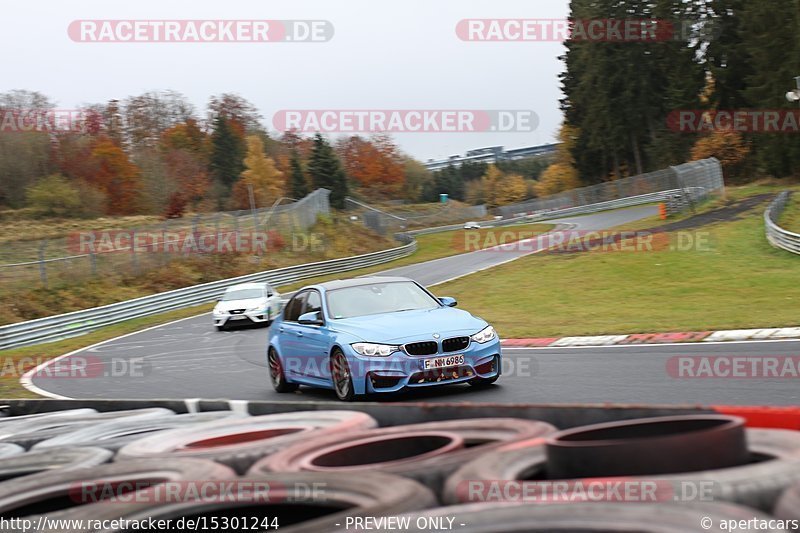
(562, 174)
(116, 176)
(326, 171)
(491, 182)
(726, 145)
(375, 165)
(260, 173)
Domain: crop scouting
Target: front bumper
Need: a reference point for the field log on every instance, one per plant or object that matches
(399, 370)
(250, 317)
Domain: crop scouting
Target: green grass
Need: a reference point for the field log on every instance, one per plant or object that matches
(790, 219)
(739, 281)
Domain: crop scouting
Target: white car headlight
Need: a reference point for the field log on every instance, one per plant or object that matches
(485, 335)
(374, 350)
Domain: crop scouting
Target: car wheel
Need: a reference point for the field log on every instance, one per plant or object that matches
(482, 382)
(342, 379)
(276, 374)
(220, 328)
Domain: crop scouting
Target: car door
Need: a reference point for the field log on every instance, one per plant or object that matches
(291, 343)
(314, 339)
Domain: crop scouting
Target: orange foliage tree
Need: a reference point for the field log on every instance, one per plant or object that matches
(375, 164)
(114, 174)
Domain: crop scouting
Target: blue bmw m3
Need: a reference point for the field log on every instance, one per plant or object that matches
(378, 335)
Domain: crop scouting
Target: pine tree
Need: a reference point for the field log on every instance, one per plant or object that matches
(227, 153)
(298, 186)
(326, 171)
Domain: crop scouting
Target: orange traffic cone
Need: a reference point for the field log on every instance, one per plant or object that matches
(662, 211)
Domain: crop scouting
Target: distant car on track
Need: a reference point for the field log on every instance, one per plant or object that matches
(248, 303)
(378, 335)
(472, 225)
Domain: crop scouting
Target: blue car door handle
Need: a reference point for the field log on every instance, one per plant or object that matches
(299, 333)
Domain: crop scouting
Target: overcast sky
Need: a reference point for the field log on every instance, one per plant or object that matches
(384, 55)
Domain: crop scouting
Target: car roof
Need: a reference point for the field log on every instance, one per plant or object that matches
(355, 282)
(241, 286)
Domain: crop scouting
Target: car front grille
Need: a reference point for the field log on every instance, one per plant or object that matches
(455, 344)
(421, 348)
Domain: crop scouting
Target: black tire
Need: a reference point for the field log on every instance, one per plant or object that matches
(665, 517)
(276, 374)
(46, 460)
(776, 453)
(241, 442)
(115, 434)
(341, 376)
(307, 511)
(35, 431)
(64, 489)
(221, 328)
(423, 452)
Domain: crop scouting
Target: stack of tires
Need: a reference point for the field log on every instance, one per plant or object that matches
(314, 471)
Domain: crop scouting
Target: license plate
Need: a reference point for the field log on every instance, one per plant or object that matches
(443, 362)
(237, 317)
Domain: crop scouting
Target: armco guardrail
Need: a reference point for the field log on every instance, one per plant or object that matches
(776, 235)
(79, 322)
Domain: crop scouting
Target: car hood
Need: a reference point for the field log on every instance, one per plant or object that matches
(408, 326)
(239, 304)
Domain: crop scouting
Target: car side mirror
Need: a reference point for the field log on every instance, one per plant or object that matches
(314, 318)
(448, 301)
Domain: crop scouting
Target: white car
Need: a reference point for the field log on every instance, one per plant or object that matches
(472, 225)
(248, 303)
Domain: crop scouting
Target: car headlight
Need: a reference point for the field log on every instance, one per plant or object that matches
(485, 335)
(256, 308)
(374, 350)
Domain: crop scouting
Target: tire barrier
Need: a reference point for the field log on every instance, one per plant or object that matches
(788, 507)
(317, 471)
(584, 517)
(115, 434)
(8, 449)
(773, 464)
(28, 433)
(425, 452)
(300, 502)
(60, 490)
(240, 443)
(50, 460)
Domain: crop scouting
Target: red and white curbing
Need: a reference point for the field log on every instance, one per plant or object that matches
(657, 338)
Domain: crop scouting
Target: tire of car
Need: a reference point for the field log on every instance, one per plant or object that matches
(221, 328)
(775, 456)
(341, 376)
(277, 376)
(29, 434)
(424, 452)
(300, 503)
(240, 443)
(115, 434)
(49, 460)
(63, 489)
(662, 517)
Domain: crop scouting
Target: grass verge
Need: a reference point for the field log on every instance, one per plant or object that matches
(736, 280)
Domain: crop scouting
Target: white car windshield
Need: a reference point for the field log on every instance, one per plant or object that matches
(379, 298)
(243, 294)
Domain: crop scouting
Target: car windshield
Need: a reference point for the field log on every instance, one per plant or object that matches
(379, 298)
(242, 294)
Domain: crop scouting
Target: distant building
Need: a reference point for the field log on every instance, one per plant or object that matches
(491, 154)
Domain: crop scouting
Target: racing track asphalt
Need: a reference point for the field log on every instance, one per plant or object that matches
(190, 359)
